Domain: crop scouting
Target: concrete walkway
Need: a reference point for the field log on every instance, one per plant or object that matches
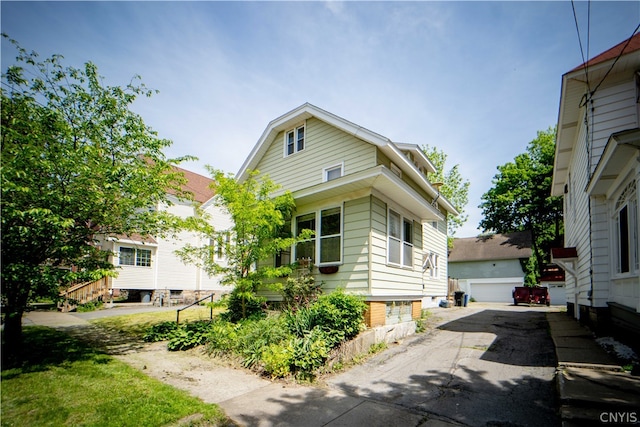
(592, 388)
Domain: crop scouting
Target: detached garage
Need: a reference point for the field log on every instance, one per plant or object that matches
(488, 267)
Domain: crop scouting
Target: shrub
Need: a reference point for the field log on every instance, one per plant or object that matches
(310, 352)
(254, 336)
(189, 335)
(300, 321)
(244, 305)
(340, 315)
(89, 306)
(277, 360)
(160, 332)
(222, 337)
(300, 291)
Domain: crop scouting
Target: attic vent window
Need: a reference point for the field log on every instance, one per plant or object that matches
(294, 140)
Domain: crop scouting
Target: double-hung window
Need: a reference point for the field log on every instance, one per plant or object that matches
(134, 256)
(326, 245)
(626, 230)
(400, 240)
(294, 140)
(306, 249)
(330, 236)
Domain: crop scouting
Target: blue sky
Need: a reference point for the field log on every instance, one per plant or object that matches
(475, 79)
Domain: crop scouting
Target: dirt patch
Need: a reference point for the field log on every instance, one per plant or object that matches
(212, 379)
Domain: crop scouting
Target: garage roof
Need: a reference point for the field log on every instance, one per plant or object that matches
(491, 247)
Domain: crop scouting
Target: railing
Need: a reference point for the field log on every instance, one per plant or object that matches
(84, 292)
(194, 303)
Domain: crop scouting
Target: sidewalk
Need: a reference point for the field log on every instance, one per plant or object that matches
(592, 388)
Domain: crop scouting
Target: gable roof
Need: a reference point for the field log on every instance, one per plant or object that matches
(491, 247)
(573, 91)
(198, 185)
(627, 46)
(389, 148)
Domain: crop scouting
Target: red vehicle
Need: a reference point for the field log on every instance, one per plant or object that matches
(531, 295)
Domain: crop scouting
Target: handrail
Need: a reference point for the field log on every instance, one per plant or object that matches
(194, 303)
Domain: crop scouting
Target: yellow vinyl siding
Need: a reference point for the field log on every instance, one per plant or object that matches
(325, 146)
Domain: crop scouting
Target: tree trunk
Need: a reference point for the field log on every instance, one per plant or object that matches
(12, 345)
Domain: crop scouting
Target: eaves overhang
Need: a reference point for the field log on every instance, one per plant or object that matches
(384, 144)
(622, 147)
(378, 180)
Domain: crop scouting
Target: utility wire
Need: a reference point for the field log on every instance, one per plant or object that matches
(616, 60)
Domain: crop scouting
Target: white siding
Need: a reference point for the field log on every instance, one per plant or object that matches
(577, 226)
(615, 109)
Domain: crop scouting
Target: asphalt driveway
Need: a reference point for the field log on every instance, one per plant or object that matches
(489, 365)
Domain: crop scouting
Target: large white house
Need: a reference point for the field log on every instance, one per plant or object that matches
(149, 266)
(380, 225)
(597, 170)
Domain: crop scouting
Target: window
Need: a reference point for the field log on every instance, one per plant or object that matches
(133, 256)
(306, 248)
(332, 172)
(294, 140)
(626, 230)
(143, 257)
(127, 256)
(330, 236)
(400, 250)
(326, 246)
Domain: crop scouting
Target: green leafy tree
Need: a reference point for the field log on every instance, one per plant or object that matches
(77, 165)
(454, 188)
(258, 233)
(520, 200)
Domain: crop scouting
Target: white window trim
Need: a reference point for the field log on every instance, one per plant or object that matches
(325, 171)
(401, 240)
(632, 203)
(135, 257)
(318, 235)
(294, 129)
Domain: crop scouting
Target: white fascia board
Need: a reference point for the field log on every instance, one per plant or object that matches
(131, 242)
(394, 153)
(415, 149)
(303, 112)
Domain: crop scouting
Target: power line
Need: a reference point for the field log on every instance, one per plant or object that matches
(615, 61)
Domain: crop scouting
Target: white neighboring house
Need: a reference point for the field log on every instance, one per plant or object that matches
(149, 266)
(597, 170)
(381, 226)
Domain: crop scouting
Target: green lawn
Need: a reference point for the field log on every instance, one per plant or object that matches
(63, 382)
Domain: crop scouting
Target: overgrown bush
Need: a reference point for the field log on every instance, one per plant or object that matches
(160, 331)
(89, 306)
(340, 316)
(244, 305)
(300, 291)
(189, 335)
(295, 342)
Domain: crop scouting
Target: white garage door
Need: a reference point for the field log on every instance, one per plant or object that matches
(493, 292)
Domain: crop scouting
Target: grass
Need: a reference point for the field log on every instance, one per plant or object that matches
(136, 325)
(63, 382)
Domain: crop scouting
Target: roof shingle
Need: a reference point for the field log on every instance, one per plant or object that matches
(492, 247)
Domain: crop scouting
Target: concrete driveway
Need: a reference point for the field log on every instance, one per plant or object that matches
(488, 364)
